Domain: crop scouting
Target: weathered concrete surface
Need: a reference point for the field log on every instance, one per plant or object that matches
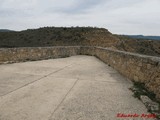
(74, 88)
(136, 67)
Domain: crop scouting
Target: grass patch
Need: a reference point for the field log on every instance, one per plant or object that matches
(139, 89)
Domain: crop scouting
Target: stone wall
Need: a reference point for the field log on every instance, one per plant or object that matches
(136, 67)
(11, 55)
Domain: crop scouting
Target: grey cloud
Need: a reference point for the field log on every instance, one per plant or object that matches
(119, 16)
(5, 13)
(80, 7)
(84, 5)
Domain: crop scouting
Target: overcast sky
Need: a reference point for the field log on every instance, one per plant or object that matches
(118, 16)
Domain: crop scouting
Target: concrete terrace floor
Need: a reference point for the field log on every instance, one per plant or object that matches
(74, 88)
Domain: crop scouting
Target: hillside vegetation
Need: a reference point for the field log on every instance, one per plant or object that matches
(86, 36)
(141, 46)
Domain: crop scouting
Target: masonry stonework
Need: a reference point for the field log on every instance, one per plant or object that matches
(11, 55)
(136, 67)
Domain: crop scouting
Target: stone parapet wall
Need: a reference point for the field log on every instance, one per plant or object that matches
(11, 55)
(136, 67)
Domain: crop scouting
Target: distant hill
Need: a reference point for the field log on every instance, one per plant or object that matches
(77, 36)
(141, 46)
(5, 30)
(144, 37)
(58, 36)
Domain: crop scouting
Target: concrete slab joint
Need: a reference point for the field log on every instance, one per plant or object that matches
(142, 69)
(77, 87)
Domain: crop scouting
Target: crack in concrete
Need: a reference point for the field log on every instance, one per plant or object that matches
(50, 118)
(35, 80)
(123, 82)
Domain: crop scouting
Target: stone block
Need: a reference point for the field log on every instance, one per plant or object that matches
(135, 78)
(148, 66)
(140, 64)
(153, 106)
